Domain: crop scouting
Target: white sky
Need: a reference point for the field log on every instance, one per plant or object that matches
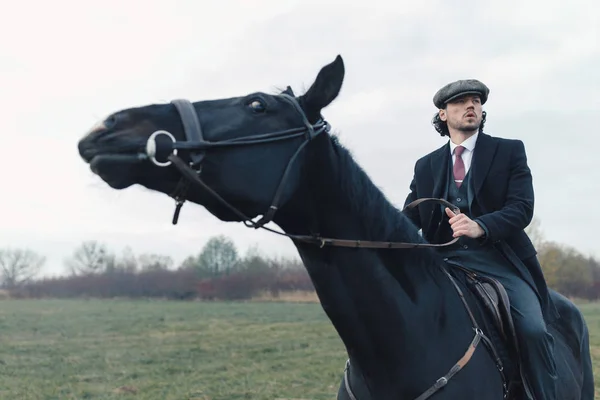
(65, 64)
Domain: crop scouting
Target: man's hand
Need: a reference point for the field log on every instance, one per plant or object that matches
(463, 226)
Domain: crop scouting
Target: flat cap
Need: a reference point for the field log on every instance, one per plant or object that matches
(459, 88)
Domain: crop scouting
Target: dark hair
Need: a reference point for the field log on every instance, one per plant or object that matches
(442, 126)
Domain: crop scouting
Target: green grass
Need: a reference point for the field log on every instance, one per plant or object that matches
(591, 312)
(121, 349)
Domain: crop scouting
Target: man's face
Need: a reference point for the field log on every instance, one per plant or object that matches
(463, 114)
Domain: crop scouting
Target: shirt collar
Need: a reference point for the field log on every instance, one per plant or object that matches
(468, 144)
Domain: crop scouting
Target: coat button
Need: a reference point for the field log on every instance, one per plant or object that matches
(458, 199)
(465, 247)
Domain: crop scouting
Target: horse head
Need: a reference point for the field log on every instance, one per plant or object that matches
(247, 150)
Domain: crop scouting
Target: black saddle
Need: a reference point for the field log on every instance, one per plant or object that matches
(494, 298)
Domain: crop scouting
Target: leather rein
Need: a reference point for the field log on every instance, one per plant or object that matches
(162, 145)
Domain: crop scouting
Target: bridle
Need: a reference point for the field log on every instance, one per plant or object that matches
(197, 146)
(163, 145)
(162, 149)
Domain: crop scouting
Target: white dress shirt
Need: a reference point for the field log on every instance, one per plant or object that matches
(467, 154)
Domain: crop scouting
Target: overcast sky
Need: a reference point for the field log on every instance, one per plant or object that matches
(65, 64)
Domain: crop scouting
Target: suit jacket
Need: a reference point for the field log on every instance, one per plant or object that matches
(501, 201)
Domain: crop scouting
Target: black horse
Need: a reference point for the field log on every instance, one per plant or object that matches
(413, 327)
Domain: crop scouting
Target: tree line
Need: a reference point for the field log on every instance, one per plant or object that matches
(218, 271)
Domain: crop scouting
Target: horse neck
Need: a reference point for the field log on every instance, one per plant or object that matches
(384, 303)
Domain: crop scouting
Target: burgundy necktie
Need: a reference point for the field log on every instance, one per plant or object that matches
(459, 166)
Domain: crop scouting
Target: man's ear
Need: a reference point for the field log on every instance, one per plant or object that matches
(324, 89)
(442, 114)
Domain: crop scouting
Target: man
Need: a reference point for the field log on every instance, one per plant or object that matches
(489, 180)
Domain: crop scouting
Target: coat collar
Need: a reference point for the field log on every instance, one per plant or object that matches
(480, 164)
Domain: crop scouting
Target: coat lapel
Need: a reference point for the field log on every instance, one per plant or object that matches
(439, 172)
(482, 160)
(439, 169)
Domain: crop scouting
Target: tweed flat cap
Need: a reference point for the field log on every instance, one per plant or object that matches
(459, 88)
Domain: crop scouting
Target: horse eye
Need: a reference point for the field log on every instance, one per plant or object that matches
(110, 122)
(257, 105)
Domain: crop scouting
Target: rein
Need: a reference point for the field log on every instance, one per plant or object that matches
(163, 145)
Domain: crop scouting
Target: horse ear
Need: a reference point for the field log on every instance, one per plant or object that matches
(288, 90)
(325, 88)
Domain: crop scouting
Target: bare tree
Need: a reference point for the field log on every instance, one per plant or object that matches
(128, 261)
(154, 262)
(19, 266)
(90, 257)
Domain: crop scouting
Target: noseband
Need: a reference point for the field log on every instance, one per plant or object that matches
(162, 149)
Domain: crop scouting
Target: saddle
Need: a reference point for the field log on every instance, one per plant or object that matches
(494, 298)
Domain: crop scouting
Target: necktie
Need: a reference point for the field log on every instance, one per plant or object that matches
(459, 166)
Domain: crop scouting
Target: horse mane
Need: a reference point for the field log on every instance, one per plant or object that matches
(366, 197)
(385, 221)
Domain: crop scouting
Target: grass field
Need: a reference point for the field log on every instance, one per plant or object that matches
(121, 349)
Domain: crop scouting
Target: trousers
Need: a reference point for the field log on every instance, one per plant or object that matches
(535, 342)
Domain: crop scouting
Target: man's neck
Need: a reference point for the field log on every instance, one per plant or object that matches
(457, 137)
